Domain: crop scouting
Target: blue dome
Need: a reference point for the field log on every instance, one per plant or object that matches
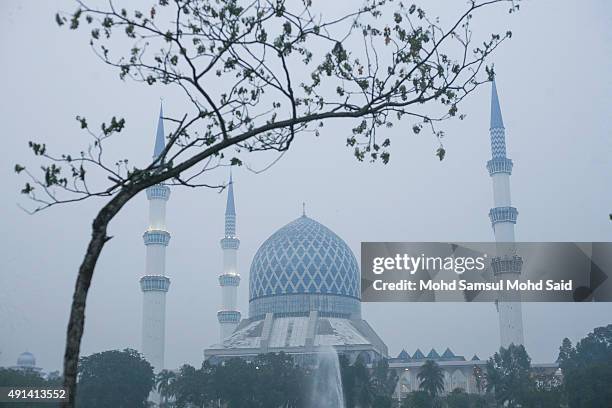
(306, 260)
(26, 359)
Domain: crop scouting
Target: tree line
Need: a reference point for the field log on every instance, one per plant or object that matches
(118, 379)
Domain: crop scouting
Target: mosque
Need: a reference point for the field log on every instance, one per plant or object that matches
(26, 362)
(305, 287)
(304, 297)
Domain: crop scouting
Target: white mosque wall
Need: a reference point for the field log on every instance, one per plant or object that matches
(226, 330)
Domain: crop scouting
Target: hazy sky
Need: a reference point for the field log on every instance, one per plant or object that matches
(555, 89)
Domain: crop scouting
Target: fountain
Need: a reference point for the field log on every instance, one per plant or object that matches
(326, 390)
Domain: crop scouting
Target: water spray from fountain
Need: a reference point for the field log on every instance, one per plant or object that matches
(326, 390)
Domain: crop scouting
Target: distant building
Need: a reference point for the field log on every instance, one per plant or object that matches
(459, 372)
(26, 362)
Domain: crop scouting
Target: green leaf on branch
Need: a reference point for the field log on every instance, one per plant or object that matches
(60, 20)
(74, 21)
(115, 126)
(38, 148)
(82, 121)
(27, 189)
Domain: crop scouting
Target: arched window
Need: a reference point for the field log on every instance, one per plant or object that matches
(459, 380)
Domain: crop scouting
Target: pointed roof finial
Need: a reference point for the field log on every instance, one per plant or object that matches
(160, 137)
(230, 208)
(303, 208)
(496, 116)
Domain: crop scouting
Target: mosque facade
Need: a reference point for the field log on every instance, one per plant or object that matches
(305, 288)
(304, 283)
(304, 296)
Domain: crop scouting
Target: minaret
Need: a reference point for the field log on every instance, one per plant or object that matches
(507, 264)
(229, 316)
(155, 284)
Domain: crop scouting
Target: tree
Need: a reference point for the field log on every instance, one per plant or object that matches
(458, 399)
(383, 382)
(431, 378)
(164, 381)
(286, 71)
(279, 381)
(28, 378)
(235, 382)
(508, 375)
(54, 378)
(355, 383)
(587, 369)
(418, 399)
(270, 380)
(479, 378)
(114, 379)
(193, 387)
(566, 351)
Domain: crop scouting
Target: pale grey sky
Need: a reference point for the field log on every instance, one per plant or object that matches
(554, 85)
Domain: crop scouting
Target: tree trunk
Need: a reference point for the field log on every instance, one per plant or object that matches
(76, 322)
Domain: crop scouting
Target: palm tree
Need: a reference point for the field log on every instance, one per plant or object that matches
(508, 376)
(431, 378)
(164, 381)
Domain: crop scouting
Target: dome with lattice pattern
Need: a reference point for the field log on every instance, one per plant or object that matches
(304, 267)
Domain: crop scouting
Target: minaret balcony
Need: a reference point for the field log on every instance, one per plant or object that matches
(158, 192)
(228, 279)
(503, 214)
(228, 316)
(230, 243)
(156, 237)
(499, 165)
(154, 283)
(507, 264)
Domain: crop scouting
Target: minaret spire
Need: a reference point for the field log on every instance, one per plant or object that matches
(507, 264)
(497, 121)
(229, 316)
(230, 207)
(160, 136)
(155, 284)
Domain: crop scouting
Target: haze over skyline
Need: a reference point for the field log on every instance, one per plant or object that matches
(554, 86)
